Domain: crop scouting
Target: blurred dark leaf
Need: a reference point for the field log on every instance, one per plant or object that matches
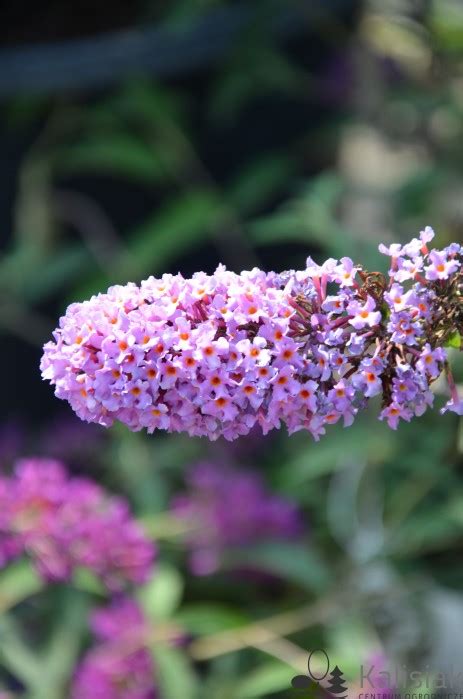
(365, 440)
(18, 582)
(254, 71)
(269, 677)
(174, 673)
(298, 563)
(308, 218)
(200, 619)
(416, 195)
(119, 154)
(259, 181)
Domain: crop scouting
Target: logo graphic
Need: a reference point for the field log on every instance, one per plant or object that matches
(309, 687)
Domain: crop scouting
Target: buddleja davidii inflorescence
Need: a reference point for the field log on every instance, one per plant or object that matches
(217, 354)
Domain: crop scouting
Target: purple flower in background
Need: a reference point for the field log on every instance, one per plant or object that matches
(226, 508)
(63, 523)
(376, 673)
(71, 440)
(12, 438)
(119, 666)
(217, 355)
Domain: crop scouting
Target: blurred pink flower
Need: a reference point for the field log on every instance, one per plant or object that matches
(62, 523)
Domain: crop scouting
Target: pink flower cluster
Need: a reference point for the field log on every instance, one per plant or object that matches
(225, 508)
(215, 355)
(63, 523)
(119, 666)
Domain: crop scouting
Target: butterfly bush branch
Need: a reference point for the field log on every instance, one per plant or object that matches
(216, 355)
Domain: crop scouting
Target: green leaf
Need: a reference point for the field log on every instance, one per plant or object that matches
(259, 181)
(115, 154)
(174, 673)
(83, 579)
(367, 439)
(200, 619)
(18, 582)
(447, 24)
(15, 655)
(59, 270)
(161, 596)
(62, 651)
(268, 678)
(309, 217)
(147, 103)
(297, 563)
(454, 340)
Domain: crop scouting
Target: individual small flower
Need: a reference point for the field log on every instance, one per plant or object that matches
(441, 266)
(407, 269)
(119, 665)
(431, 360)
(454, 406)
(393, 250)
(363, 314)
(397, 298)
(395, 412)
(404, 328)
(368, 378)
(63, 523)
(334, 304)
(418, 246)
(226, 508)
(345, 272)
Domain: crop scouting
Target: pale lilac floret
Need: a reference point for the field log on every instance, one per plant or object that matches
(407, 269)
(398, 298)
(441, 266)
(395, 412)
(368, 377)
(430, 361)
(393, 250)
(363, 314)
(418, 246)
(453, 406)
(345, 272)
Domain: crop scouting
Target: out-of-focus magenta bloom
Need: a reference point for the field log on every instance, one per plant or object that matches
(12, 438)
(72, 441)
(119, 666)
(225, 508)
(217, 354)
(63, 523)
(377, 677)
